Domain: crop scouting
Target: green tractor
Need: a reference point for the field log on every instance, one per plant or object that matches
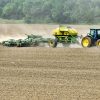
(92, 38)
(64, 35)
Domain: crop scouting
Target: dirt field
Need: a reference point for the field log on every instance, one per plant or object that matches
(47, 73)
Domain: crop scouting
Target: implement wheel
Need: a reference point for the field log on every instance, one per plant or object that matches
(53, 43)
(98, 43)
(86, 42)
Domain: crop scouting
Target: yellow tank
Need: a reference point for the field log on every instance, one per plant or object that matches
(65, 31)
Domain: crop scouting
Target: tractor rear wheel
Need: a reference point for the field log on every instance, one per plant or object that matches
(86, 42)
(53, 43)
(98, 43)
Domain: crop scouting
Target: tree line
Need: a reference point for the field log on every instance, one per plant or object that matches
(51, 11)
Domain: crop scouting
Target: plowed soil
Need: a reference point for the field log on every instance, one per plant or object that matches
(47, 73)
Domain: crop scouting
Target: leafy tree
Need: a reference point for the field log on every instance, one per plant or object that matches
(44, 11)
(2, 4)
(13, 10)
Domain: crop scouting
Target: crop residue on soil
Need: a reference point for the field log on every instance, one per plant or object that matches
(49, 74)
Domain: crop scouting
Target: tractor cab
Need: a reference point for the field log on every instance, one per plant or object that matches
(94, 33)
(92, 38)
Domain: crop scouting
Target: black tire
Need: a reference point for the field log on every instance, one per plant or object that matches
(98, 43)
(86, 42)
(53, 43)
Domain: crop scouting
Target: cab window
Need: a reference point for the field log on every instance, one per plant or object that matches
(98, 31)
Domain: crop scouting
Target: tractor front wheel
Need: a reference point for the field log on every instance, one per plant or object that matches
(86, 42)
(53, 43)
(98, 43)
